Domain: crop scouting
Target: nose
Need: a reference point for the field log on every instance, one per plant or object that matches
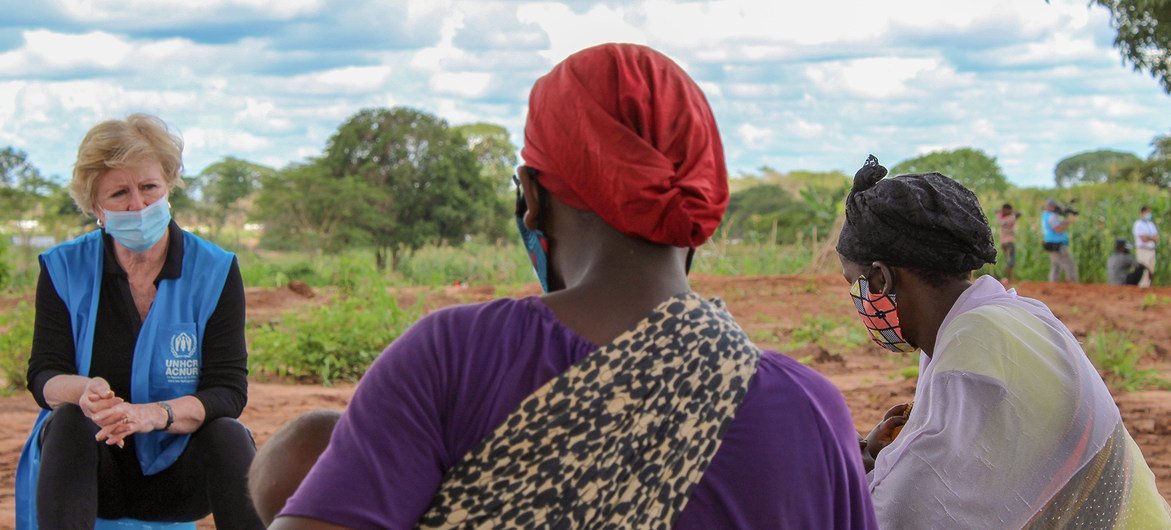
(137, 201)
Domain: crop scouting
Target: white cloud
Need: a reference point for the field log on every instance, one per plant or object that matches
(200, 138)
(795, 86)
(805, 129)
(465, 84)
(180, 10)
(754, 137)
(569, 31)
(877, 77)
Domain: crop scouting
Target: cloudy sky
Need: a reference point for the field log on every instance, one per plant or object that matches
(794, 85)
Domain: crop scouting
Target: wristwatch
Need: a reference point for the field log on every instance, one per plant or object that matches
(170, 413)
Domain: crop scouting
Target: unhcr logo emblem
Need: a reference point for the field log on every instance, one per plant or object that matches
(182, 345)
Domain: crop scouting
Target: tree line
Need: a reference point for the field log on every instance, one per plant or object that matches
(396, 179)
(391, 180)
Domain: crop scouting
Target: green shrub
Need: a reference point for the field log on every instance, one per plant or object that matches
(1116, 357)
(5, 267)
(334, 341)
(832, 333)
(473, 263)
(16, 339)
(726, 258)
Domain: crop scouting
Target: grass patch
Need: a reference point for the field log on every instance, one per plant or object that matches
(1116, 356)
(334, 341)
(16, 338)
(829, 333)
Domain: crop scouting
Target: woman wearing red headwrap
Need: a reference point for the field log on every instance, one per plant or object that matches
(619, 399)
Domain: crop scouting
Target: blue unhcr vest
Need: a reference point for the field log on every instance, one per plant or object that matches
(167, 358)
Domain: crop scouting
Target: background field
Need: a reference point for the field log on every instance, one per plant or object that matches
(809, 317)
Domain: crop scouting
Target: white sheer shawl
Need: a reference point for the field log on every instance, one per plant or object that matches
(1012, 427)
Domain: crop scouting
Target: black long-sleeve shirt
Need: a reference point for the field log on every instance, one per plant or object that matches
(223, 382)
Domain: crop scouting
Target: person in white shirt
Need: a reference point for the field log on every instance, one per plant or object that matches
(1146, 235)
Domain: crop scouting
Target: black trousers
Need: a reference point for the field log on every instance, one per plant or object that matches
(81, 479)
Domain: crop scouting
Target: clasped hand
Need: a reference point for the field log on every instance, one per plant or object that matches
(116, 418)
(882, 435)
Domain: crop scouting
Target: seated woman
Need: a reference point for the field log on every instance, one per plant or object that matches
(619, 399)
(1121, 267)
(138, 356)
(1012, 426)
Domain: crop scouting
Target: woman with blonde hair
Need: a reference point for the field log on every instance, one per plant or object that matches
(138, 358)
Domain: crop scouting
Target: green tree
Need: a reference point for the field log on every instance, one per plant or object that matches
(1092, 167)
(1144, 35)
(22, 187)
(497, 157)
(303, 206)
(224, 188)
(970, 167)
(1156, 169)
(24, 192)
(426, 184)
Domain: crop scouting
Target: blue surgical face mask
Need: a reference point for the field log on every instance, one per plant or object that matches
(538, 247)
(534, 241)
(1147, 216)
(139, 230)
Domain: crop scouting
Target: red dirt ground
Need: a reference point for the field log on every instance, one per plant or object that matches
(771, 309)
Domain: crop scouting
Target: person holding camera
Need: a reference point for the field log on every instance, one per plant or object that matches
(1055, 221)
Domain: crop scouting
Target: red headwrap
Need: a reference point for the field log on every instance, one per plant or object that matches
(622, 131)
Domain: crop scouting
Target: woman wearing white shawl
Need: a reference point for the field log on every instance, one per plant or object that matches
(1012, 426)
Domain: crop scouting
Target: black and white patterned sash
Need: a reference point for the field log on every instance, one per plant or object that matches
(617, 441)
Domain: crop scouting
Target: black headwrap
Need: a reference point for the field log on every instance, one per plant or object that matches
(925, 221)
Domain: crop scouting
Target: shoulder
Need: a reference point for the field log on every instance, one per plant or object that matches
(1004, 340)
(441, 337)
(780, 374)
(787, 396)
(83, 243)
(479, 320)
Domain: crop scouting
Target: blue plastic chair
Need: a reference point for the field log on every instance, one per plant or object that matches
(135, 524)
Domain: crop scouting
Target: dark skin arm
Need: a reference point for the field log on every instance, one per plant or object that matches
(882, 435)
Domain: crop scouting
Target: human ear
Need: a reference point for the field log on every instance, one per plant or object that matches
(532, 196)
(881, 278)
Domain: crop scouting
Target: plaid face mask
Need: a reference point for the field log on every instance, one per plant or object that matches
(880, 315)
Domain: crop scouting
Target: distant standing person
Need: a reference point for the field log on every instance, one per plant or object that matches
(1055, 223)
(1006, 218)
(1146, 235)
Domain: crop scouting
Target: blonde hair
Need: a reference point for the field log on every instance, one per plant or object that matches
(137, 140)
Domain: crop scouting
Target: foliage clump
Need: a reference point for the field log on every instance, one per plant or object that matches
(334, 341)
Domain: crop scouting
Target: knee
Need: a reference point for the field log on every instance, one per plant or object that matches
(69, 422)
(224, 434)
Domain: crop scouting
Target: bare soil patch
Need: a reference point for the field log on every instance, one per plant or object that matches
(771, 309)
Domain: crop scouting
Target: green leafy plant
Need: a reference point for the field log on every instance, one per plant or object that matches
(16, 338)
(829, 333)
(334, 341)
(909, 372)
(1117, 356)
(1152, 300)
